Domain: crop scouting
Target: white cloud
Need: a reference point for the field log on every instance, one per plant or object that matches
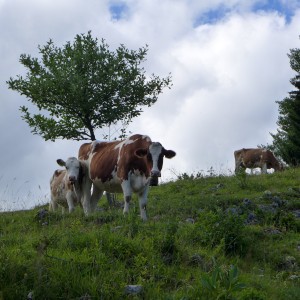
(227, 76)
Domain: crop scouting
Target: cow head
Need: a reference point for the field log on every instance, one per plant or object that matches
(155, 155)
(73, 167)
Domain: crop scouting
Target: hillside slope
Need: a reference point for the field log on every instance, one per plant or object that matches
(215, 237)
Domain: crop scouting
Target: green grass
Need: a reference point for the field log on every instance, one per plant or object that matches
(197, 244)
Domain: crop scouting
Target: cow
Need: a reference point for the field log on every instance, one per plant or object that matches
(256, 158)
(127, 166)
(66, 185)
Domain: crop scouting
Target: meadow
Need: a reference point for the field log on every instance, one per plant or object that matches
(207, 237)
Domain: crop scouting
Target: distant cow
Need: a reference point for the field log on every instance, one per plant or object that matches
(66, 185)
(126, 166)
(256, 158)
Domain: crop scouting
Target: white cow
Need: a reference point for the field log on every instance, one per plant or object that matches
(66, 185)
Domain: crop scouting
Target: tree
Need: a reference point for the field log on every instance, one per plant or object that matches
(286, 142)
(84, 86)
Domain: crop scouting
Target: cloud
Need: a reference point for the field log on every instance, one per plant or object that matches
(227, 77)
(228, 62)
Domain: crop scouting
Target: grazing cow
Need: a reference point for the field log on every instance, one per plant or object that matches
(126, 166)
(66, 185)
(256, 158)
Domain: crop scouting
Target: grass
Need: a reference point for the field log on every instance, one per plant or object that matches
(217, 237)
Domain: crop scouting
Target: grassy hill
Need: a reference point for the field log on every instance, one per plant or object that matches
(214, 237)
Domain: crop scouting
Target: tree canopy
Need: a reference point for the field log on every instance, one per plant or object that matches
(286, 142)
(84, 86)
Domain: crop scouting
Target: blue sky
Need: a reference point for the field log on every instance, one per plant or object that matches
(229, 66)
(286, 8)
(119, 9)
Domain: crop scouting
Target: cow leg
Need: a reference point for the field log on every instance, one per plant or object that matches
(96, 195)
(86, 197)
(264, 168)
(238, 166)
(52, 205)
(127, 200)
(63, 210)
(143, 203)
(127, 191)
(70, 201)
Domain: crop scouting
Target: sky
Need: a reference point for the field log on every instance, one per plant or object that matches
(229, 66)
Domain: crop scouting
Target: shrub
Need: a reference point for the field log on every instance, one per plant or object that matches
(252, 294)
(222, 283)
(216, 227)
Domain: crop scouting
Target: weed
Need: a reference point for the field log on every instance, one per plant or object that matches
(252, 294)
(168, 246)
(222, 283)
(241, 177)
(216, 227)
(192, 176)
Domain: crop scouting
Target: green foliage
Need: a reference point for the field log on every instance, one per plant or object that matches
(222, 283)
(241, 177)
(84, 86)
(197, 244)
(221, 228)
(186, 176)
(168, 248)
(253, 294)
(286, 143)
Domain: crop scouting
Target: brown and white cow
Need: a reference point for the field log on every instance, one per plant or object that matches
(256, 158)
(66, 185)
(122, 166)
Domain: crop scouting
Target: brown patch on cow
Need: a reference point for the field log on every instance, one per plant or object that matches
(57, 182)
(129, 161)
(104, 161)
(58, 172)
(84, 151)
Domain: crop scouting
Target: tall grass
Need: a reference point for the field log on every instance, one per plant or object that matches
(19, 195)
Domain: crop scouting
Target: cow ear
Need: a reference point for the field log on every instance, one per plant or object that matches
(141, 152)
(169, 153)
(61, 162)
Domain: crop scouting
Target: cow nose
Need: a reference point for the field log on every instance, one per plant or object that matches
(72, 179)
(155, 173)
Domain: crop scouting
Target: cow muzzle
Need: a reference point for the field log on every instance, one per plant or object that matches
(155, 173)
(72, 179)
(154, 178)
(153, 181)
